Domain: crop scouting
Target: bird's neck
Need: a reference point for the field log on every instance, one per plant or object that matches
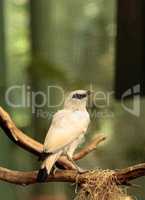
(76, 106)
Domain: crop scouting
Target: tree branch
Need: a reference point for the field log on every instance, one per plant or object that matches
(31, 145)
(130, 173)
(27, 178)
(122, 176)
(89, 147)
(17, 136)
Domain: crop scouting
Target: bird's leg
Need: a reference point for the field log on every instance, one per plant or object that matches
(80, 170)
(53, 170)
(70, 151)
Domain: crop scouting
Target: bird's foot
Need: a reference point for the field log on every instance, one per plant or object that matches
(53, 171)
(81, 170)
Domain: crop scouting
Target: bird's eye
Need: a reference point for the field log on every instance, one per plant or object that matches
(79, 96)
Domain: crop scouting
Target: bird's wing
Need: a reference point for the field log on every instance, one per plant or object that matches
(66, 126)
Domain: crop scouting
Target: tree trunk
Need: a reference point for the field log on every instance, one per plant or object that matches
(130, 50)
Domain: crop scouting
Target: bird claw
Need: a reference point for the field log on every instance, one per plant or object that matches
(81, 171)
(53, 171)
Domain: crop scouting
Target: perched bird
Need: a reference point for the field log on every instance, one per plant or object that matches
(66, 132)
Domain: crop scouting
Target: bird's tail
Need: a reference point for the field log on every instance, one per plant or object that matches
(47, 165)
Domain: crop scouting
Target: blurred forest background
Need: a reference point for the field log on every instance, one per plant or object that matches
(70, 44)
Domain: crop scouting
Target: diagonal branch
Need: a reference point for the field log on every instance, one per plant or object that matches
(31, 145)
(17, 136)
(24, 141)
(90, 147)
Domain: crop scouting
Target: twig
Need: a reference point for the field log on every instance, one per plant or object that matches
(89, 147)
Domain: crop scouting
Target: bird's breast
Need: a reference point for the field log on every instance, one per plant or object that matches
(81, 115)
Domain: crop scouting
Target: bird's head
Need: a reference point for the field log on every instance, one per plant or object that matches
(77, 99)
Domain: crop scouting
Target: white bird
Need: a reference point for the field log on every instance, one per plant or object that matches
(66, 132)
